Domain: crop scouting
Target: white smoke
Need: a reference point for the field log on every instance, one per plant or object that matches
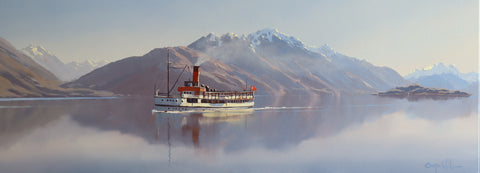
(201, 59)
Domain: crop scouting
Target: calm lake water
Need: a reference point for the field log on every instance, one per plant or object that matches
(281, 134)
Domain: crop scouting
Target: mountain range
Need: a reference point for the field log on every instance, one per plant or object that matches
(139, 75)
(277, 64)
(444, 76)
(21, 76)
(294, 66)
(65, 72)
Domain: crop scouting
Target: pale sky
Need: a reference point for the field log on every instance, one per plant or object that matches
(401, 34)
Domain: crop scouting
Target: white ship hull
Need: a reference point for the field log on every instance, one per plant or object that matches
(163, 104)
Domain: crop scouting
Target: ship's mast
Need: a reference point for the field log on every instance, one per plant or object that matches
(168, 73)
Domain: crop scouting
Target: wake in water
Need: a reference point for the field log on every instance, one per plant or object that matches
(209, 110)
(13, 107)
(281, 108)
(54, 98)
(206, 110)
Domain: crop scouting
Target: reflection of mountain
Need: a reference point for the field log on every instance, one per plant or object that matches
(275, 127)
(20, 118)
(438, 110)
(211, 131)
(275, 63)
(269, 127)
(280, 128)
(284, 127)
(127, 115)
(65, 72)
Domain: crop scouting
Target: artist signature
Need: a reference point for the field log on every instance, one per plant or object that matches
(444, 164)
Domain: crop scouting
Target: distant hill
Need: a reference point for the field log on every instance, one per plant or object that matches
(139, 75)
(449, 81)
(443, 76)
(275, 63)
(65, 72)
(20, 76)
(78, 69)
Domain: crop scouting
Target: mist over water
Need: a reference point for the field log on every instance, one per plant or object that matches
(281, 134)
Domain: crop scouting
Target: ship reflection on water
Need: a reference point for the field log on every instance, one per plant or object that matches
(354, 134)
(190, 125)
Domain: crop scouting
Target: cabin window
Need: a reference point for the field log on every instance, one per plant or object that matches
(192, 100)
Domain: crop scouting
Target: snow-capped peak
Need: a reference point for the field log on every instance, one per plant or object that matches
(212, 36)
(434, 69)
(231, 35)
(36, 50)
(268, 35)
(217, 41)
(325, 50)
(439, 69)
(90, 62)
(256, 38)
(262, 34)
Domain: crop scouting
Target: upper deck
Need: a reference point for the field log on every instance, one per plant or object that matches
(218, 95)
(192, 94)
(193, 89)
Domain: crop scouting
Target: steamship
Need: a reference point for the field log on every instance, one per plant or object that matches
(194, 96)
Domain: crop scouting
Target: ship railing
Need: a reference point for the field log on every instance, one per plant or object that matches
(235, 95)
